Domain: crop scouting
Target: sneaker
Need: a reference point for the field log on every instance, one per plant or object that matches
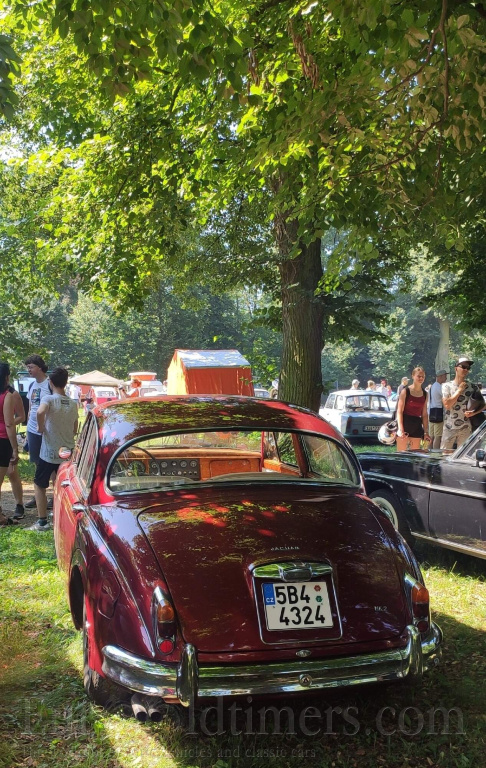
(38, 526)
(30, 504)
(19, 512)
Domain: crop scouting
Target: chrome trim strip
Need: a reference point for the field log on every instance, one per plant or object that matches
(187, 681)
(274, 570)
(428, 486)
(452, 545)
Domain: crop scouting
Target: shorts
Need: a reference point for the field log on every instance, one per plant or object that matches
(43, 473)
(457, 437)
(5, 452)
(412, 425)
(34, 442)
(436, 429)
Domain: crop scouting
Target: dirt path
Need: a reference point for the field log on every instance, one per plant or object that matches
(8, 502)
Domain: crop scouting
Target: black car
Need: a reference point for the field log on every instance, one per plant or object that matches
(432, 496)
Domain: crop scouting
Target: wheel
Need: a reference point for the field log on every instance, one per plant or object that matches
(99, 689)
(392, 507)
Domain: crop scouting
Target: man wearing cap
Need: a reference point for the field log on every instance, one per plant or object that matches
(402, 385)
(455, 396)
(436, 409)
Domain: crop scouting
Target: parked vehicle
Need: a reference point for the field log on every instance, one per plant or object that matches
(224, 546)
(357, 414)
(433, 496)
(101, 395)
(262, 392)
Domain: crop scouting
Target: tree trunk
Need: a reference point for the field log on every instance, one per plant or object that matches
(442, 356)
(302, 318)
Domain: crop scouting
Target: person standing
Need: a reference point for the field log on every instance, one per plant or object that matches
(134, 391)
(74, 393)
(412, 416)
(355, 384)
(37, 369)
(57, 420)
(13, 474)
(384, 389)
(436, 409)
(403, 384)
(371, 386)
(455, 396)
(9, 452)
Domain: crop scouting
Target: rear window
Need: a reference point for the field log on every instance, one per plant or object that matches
(367, 403)
(165, 461)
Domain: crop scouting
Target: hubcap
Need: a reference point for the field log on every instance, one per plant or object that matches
(388, 509)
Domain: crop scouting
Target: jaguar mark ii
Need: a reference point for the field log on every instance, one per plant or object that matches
(225, 546)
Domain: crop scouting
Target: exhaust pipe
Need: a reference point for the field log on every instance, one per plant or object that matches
(156, 709)
(148, 708)
(138, 708)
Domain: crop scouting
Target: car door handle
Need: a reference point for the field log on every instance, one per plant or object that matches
(78, 507)
(65, 483)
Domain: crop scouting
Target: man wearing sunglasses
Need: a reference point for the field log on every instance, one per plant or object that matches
(455, 396)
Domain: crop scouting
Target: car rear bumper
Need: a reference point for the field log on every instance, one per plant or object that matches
(185, 681)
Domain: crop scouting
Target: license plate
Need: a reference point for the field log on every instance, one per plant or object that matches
(371, 428)
(297, 605)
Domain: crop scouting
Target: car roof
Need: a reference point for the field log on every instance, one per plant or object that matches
(123, 420)
(347, 392)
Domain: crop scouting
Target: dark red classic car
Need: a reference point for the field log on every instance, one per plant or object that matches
(224, 546)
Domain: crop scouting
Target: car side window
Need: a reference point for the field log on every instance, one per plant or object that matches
(481, 444)
(87, 455)
(285, 448)
(330, 401)
(80, 442)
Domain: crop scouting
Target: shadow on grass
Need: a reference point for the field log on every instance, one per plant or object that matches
(45, 718)
(454, 562)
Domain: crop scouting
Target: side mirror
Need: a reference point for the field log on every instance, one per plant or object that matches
(65, 453)
(480, 456)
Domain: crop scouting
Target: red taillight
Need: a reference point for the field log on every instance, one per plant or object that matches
(166, 646)
(164, 621)
(421, 606)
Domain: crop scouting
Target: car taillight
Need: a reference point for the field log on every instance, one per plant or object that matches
(419, 603)
(164, 621)
(348, 424)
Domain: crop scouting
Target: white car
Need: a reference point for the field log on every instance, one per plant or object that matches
(262, 392)
(357, 414)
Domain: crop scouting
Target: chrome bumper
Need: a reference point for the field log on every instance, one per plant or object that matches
(187, 680)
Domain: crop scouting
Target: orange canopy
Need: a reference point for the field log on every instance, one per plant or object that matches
(209, 372)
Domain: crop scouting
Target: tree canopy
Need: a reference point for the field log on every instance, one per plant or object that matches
(360, 115)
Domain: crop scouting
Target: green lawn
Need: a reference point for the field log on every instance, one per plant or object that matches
(46, 720)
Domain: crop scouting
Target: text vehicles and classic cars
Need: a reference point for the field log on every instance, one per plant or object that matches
(357, 414)
(434, 496)
(224, 546)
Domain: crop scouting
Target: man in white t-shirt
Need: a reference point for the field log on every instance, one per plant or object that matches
(436, 409)
(455, 396)
(57, 420)
(37, 389)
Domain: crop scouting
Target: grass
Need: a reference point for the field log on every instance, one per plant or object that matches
(45, 718)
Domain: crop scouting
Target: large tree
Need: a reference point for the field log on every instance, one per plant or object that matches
(358, 114)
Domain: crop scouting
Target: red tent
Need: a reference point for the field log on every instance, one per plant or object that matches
(209, 372)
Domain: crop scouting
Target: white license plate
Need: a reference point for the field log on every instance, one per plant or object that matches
(297, 605)
(371, 429)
